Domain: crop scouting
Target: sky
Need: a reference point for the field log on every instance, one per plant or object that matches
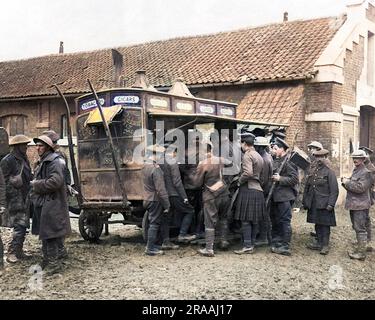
(30, 28)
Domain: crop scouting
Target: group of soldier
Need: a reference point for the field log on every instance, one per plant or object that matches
(206, 203)
(40, 192)
(259, 206)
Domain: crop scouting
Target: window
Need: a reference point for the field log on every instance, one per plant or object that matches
(14, 124)
(64, 127)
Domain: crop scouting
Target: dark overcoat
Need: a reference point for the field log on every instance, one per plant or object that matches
(16, 196)
(50, 198)
(321, 190)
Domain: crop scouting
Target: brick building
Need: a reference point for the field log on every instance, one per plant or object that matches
(315, 75)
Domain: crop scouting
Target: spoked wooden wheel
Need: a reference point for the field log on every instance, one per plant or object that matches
(90, 226)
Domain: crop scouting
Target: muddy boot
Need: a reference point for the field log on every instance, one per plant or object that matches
(54, 266)
(22, 255)
(369, 247)
(61, 253)
(169, 245)
(11, 256)
(224, 229)
(208, 251)
(151, 249)
(313, 245)
(245, 250)
(360, 252)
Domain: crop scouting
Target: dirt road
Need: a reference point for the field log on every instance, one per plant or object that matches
(118, 269)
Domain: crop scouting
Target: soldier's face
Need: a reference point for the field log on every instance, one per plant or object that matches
(41, 148)
(358, 161)
(23, 147)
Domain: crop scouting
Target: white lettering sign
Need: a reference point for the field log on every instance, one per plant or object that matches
(159, 103)
(184, 106)
(206, 109)
(126, 99)
(226, 111)
(91, 104)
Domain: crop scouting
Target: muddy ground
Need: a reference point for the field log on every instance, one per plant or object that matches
(118, 269)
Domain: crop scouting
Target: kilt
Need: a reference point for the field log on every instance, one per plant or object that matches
(250, 205)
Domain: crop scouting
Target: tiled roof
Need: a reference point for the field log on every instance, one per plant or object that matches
(271, 104)
(280, 51)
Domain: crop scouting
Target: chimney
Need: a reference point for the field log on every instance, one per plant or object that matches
(141, 81)
(61, 49)
(285, 16)
(117, 60)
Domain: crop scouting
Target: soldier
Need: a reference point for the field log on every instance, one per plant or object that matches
(193, 193)
(17, 175)
(178, 200)
(312, 147)
(215, 196)
(358, 202)
(156, 200)
(319, 198)
(261, 144)
(250, 208)
(62, 254)
(2, 210)
(282, 199)
(50, 203)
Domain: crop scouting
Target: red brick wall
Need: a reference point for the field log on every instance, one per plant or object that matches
(353, 65)
(40, 114)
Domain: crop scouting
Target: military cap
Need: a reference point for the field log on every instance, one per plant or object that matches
(156, 148)
(281, 143)
(367, 150)
(279, 134)
(247, 137)
(358, 154)
(261, 141)
(315, 144)
(46, 140)
(52, 135)
(321, 153)
(19, 139)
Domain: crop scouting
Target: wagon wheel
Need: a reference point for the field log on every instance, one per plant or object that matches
(90, 226)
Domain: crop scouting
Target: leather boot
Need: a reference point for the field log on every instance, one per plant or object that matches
(224, 228)
(208, 251)
(151, 249)
(360, 252)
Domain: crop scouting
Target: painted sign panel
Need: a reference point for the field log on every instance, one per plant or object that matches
(226, 111)
(125, 99)
(206, 108)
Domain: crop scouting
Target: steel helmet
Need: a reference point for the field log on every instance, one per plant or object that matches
(45, 140)
(315, 144)
(359, 154)
(19, 139)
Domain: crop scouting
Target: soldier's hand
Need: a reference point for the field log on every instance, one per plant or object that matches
(344, 180)
(329, 208)
(2, 210)
(276, 177)
(165, 211)
(186, 201)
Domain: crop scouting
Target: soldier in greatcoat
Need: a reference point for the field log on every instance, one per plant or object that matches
(63, 254)
(2, 210)
(50, 203)
(283, 197)
(155, 195)
(358, 202)
(209, 175)
(250, 206)
(319, 198)
(17, 175)
(370, 166)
